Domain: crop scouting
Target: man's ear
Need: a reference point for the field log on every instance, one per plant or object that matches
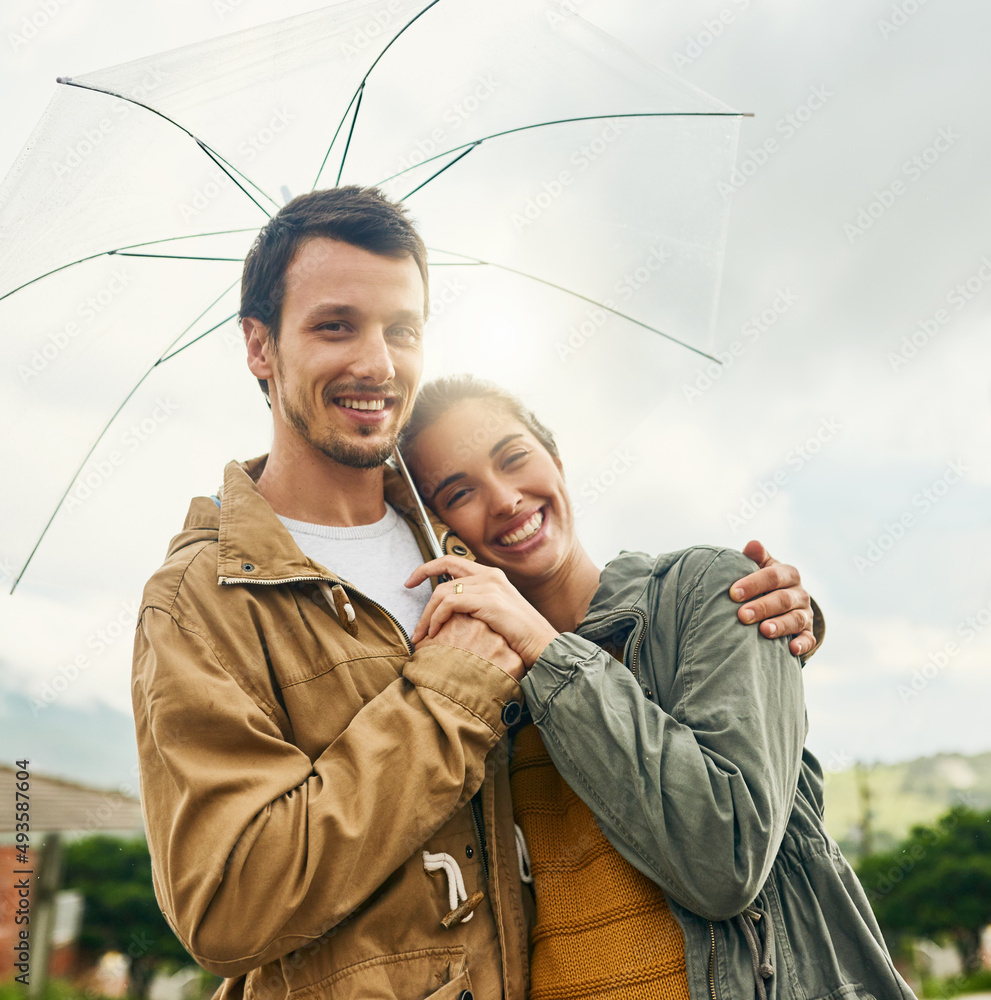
(261, 351)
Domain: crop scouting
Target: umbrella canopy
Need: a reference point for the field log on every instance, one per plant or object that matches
(515, 132)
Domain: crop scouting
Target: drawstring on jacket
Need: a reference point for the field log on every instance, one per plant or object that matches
(761, 958)
(462, 906)
(337, 599)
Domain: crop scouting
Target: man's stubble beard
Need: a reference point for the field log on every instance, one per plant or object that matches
(347, 453)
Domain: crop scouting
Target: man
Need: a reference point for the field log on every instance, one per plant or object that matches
(303, 768)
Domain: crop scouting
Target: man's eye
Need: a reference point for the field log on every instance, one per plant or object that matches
(406, 333)
(333, 327)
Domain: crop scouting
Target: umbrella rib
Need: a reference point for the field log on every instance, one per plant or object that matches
(347, 145)
(75, 476)
(358, 91)
(132, 246)
(196, 339)
(116, 413)
(171, 256)
(460, 156)
(215, 156)
(223, 164)
(337, 132)
(565, 121)
(578, 295)
(189, 326)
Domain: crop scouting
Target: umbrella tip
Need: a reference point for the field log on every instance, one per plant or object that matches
(63, 79)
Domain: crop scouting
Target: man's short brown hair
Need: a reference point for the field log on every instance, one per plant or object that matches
(363, 217)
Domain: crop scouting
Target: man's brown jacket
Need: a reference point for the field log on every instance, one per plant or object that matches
(295, 765)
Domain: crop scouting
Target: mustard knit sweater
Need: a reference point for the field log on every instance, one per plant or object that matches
(603, 929)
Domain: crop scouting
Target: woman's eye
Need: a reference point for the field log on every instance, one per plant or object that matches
(456, 497)
(515, 457)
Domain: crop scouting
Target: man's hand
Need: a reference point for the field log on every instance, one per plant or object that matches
(474, 635)
(784, 606)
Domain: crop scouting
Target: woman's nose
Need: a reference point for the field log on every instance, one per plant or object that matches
(504, 499)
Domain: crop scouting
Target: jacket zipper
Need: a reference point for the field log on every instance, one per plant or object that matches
(626, 612)
(712, 962)
(476, 815)
(348, 589)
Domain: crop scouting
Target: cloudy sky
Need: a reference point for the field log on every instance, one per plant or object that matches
(847, 427)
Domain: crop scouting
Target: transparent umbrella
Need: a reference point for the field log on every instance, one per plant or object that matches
(525, 141)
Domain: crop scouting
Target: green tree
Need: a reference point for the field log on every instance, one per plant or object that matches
(937, 883)
(120, 910)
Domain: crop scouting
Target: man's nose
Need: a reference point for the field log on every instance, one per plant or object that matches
(373, 361)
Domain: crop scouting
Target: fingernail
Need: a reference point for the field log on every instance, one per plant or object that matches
(748, 615)
(736, 593)
(772, 629)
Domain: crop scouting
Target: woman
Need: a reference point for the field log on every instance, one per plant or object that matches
(677, 728)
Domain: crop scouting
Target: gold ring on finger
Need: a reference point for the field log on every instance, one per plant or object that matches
(458, 588)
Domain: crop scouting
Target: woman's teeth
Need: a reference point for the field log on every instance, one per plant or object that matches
(528, 530)
(361, 404)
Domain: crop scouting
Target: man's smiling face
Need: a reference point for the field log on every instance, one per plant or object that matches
(349, 354)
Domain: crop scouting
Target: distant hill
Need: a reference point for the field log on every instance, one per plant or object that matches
(902, 796)
(94, 745)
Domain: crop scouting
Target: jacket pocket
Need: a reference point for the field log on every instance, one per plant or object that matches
(427, 974)
(848, 991)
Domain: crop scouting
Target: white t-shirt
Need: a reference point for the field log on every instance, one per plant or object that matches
(377, 558)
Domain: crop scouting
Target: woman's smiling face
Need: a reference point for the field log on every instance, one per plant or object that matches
(498, 488)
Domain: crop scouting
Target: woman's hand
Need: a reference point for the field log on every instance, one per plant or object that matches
(784, 607)
(486, 594)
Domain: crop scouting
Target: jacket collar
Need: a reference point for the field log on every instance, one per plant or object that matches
(256, 547)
